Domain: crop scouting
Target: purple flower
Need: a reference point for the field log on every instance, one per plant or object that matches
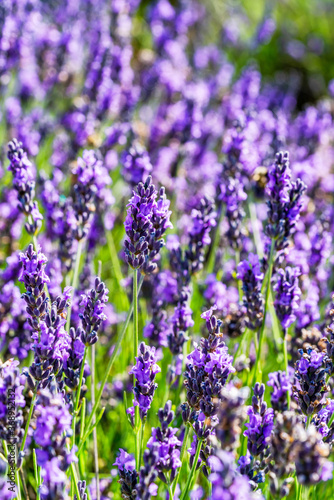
(145, 371)
(281, 384)
(287, 295)
(252, 277)
(145, 224)
(284, 201)
(92, 306)
(23, 182)
(261, 422)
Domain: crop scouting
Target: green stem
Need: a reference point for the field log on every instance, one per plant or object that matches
(286, 365)
(117, 268)
(77, 399)
(193, 470)
(213, 248)
(74, 282)
(239, 282)
(107, 372)
(96, 455)
(257, 368)
(31, 410)
(38, 495)
(135, 353)
(170, 492)
(183, 450)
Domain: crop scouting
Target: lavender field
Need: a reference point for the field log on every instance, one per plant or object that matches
(166, 250)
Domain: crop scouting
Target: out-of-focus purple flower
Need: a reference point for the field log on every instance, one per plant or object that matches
(233, 195)
(136, 164)
(11, 401)
(287, 295)
(261, 422)
(284, 204)
(281, 384)
(252, 277)
(23, 182)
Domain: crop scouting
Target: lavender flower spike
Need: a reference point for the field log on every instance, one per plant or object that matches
(287, 295)
(252, 277)
(144, 371)
(261, 422)
(145, 224)
(24, 184)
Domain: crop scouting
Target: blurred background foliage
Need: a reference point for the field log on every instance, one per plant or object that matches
(290, 41)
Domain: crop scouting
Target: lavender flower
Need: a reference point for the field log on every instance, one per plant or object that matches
(11, 402)
(144, 371)
(91, 177)
(157, 329)
(311, 388)
(136, 164)
(146, 222)
(208, 368)
(92, 315)
(252, 277)
(281, 384)
(261, 423)
(233, 195)
(128, 476)
(310, 457)
(53, 426)
(168, 444)
(226, 480)
(284, 201)
(82, 491)
(24, 184)
(203, 219)
(146, 488)
(231, 415)
(282, 446)
(287, 295)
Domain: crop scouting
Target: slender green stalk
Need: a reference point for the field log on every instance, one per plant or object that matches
(213, 248)
(18, 484)
(239, 282)
(96, 455)
(257, 368)
(170, 492)
(116, 268)
(31, 410)
(183, 450)
(193, 470)
(74, 281)
(38, 495)
(108, 370)
(286, 365)
(77, 399)
(135, 353)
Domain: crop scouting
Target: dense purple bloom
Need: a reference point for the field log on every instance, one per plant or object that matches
(144, 371)
(168, 444)
(261, 422)
(311, 388)
(252, 277)
(92, 307)
(287, 295)
(127, 475)
(284, 201)
(23, 172)
(146, 222)
(208, 368)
